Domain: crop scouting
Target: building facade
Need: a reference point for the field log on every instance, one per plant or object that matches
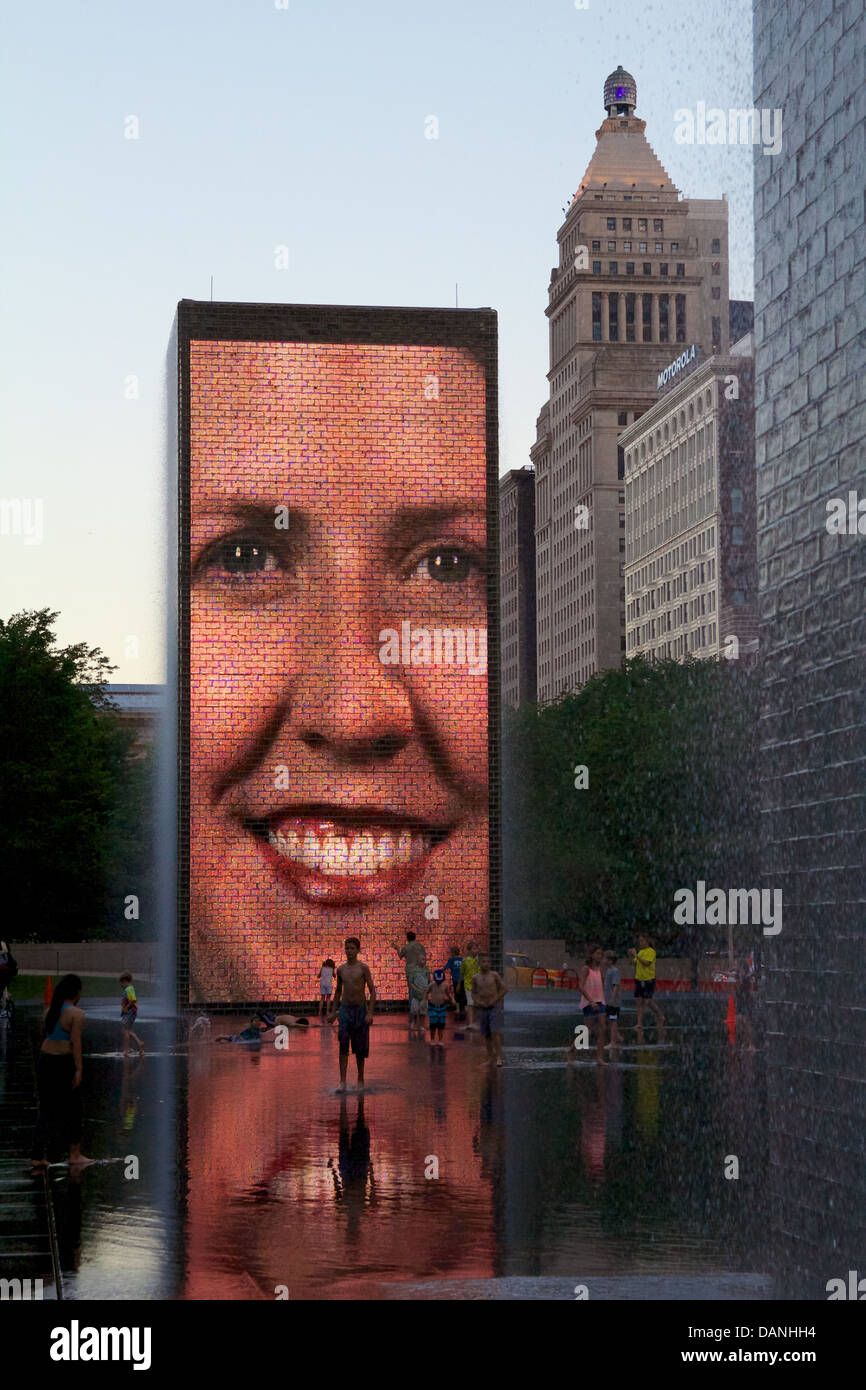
(140, 709)
(640, 270)
(517, 586)
(690, 513)
(810, 384)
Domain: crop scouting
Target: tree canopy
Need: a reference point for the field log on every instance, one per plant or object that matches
(669, 796)
(71, 801)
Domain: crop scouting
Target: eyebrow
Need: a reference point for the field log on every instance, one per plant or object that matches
(403, 520)
(257, 514)
(407, 518)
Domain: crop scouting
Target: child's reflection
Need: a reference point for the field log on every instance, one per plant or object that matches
(353, 1173)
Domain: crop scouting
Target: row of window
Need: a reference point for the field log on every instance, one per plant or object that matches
(673, 559)
(629, 328)
(703, 401)
(689, 641)
(641, 246)
(658, 226)
(664, 269)
(679, 616)
(669, 590)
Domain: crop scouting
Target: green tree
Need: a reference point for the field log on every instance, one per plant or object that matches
(64, 791)
(670, 751)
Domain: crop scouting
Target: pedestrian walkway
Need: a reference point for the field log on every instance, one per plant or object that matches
(25, 1224)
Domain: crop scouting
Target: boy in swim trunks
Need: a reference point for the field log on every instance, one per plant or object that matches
(438, 995)
(488, 992)
(354, 1012)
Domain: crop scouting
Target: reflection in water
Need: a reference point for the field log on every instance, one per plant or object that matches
(543, 1168)
(353, 1172)
(647, 1108)
(618, 1169)
(291, 1184)
(116, 1234)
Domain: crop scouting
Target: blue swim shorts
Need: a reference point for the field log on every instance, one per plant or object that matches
(353, 1030)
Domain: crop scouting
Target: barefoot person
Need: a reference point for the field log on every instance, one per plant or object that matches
(469, 968)
(419, 984)
(354, 1011)
(438, 995)
(411, 953)
(488, 992)
(58, 1079)
(591, 988)
(612, 997)
(284, 1021)
(326, 985)
(645, 983)
(129, 1013)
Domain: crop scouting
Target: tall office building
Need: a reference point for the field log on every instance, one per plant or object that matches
(640, 270)
(517, 586)
(690, 513)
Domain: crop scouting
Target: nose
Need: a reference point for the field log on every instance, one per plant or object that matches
(345, 700)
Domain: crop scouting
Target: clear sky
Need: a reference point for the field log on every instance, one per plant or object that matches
(302, 127)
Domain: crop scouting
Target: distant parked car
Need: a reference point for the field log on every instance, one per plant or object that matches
(519, 970)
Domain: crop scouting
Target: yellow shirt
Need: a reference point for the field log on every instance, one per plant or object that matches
(468, 970)
(645, 964)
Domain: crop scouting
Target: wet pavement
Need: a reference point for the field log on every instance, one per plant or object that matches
(446, 1178)
(26, 1251)
(113, 1235)
(546, 1172)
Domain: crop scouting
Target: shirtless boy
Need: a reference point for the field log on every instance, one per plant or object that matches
(354, 1011)
(488, 992)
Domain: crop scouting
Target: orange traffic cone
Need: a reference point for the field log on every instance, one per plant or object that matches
(49, 993)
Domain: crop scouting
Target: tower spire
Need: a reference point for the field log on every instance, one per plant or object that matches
(620, 93)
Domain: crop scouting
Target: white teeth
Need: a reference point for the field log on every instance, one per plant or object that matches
(363, 857)
(360, 855)
(336, 855)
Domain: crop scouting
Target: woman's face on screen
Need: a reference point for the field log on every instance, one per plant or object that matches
(338, 514)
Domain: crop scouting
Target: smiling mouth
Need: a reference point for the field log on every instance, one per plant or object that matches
(339, 856)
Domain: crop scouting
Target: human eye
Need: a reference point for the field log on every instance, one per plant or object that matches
(447, 564)
(240, 559)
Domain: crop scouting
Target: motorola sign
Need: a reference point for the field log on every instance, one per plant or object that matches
(679, 364)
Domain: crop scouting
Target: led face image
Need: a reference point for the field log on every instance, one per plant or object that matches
(338, 740)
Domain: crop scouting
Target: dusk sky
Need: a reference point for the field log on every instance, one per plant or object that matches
(261, 127)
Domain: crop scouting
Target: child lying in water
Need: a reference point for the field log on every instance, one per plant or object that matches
(262, 1023)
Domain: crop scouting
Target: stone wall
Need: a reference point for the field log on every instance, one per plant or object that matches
(810, 318)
